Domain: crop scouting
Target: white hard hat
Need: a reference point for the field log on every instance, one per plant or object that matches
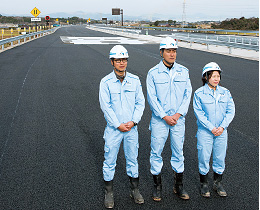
(168, 43)
(211, 67)
(118, 51)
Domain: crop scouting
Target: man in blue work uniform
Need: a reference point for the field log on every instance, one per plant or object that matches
(122, 102)
(169, 93)
(214, 109)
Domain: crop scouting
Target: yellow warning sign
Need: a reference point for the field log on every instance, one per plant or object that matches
(35, 12)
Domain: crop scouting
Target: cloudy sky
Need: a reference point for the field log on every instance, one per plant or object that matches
(167, 9)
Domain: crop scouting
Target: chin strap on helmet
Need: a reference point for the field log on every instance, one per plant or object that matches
(211, 84)
(170, 64)
(118, 76)
(119, 70)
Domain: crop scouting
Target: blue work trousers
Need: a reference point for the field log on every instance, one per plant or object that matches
(113, 138)
(207, 143)
(160, 131)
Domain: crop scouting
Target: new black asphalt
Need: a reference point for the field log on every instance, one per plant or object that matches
(51, 129)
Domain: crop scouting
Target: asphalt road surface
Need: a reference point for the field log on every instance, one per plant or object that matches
(51, 128)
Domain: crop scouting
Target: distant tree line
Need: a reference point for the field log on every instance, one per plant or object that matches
(14, 20)
(27, 20)
(75, 20)
(238, 24)
(171, 23)
(166, 23)
(229, 24)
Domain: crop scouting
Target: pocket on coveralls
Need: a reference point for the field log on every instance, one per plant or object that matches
(223, 100)
(180, 79)
(207, 100)
(161, 86)
(115, 95)
(130, 92)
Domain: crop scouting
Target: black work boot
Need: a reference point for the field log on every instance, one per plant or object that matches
(135, 194)
(109, 195)
(217, 186)
(157, 188)
(178, 186)
(204, 186)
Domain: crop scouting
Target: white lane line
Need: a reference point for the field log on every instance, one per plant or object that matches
(100, 40)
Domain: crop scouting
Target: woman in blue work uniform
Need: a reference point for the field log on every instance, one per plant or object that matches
(214, 109)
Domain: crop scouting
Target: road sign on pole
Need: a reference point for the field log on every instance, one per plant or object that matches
(35, 12)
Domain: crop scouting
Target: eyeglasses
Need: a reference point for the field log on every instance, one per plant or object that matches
(124, 60)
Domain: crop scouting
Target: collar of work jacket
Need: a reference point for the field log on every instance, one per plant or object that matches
(163, 68)
(115, 79)
(208, 90)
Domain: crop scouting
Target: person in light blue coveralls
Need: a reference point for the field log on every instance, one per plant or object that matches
(214, 109)
(169, 93)
(122, 102)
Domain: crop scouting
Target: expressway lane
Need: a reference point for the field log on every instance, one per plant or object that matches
(51, 143)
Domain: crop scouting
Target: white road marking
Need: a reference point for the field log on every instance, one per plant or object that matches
(101, 40)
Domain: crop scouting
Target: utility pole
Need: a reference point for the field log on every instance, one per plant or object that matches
(121, 12)
(184, 14)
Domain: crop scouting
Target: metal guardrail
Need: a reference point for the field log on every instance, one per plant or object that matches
(230, 41)
(25, 36)
(223, 31)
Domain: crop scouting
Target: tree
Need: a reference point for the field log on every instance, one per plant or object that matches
(238, 24)
(156, 23)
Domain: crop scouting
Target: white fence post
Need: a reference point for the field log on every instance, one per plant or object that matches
(230, 50)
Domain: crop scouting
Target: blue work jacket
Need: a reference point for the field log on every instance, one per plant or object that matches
(121, 102)
(213, 108)
(168, 95)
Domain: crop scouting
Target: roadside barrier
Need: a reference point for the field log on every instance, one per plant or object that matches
(17, 40)
(230, 41)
